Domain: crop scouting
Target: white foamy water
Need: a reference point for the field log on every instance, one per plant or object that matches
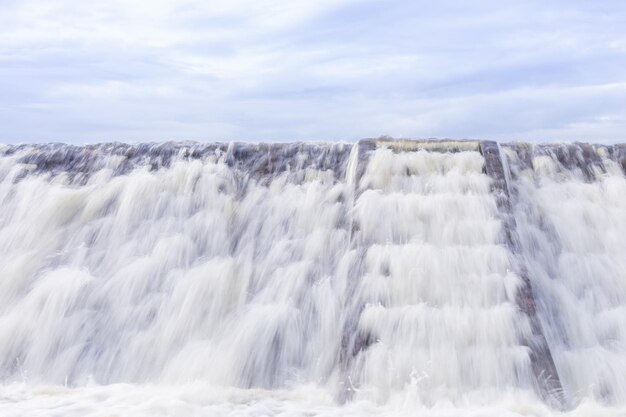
(437, 289)
(573, 230)
(243, 280)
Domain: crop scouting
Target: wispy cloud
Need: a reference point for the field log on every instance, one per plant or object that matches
(303, 69)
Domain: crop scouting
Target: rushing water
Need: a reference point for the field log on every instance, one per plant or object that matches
(381, 278)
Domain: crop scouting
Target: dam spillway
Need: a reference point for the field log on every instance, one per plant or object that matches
(398, 273)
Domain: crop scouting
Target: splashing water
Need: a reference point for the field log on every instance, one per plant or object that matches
(381, 278)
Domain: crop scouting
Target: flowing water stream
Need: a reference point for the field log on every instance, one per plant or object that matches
(378, 278)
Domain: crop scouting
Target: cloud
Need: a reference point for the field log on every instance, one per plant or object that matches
(302, 69)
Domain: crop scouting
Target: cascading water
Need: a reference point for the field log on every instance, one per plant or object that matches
(571, 208)
(385, 277)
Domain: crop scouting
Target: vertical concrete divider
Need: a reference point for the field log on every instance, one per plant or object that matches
(352, 341)
(548, 384)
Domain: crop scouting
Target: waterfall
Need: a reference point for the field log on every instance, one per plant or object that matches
(571, 206)
(382, 277)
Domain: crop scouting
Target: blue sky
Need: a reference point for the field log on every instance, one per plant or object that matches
(277, 70)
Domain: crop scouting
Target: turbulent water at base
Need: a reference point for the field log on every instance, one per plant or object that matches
(380, 278)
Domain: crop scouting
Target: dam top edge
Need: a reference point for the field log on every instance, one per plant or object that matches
(404, 143)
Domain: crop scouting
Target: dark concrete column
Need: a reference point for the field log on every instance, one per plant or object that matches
(353, 341)
(548, 384)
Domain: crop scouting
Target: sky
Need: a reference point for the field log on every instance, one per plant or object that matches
(278, 70)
